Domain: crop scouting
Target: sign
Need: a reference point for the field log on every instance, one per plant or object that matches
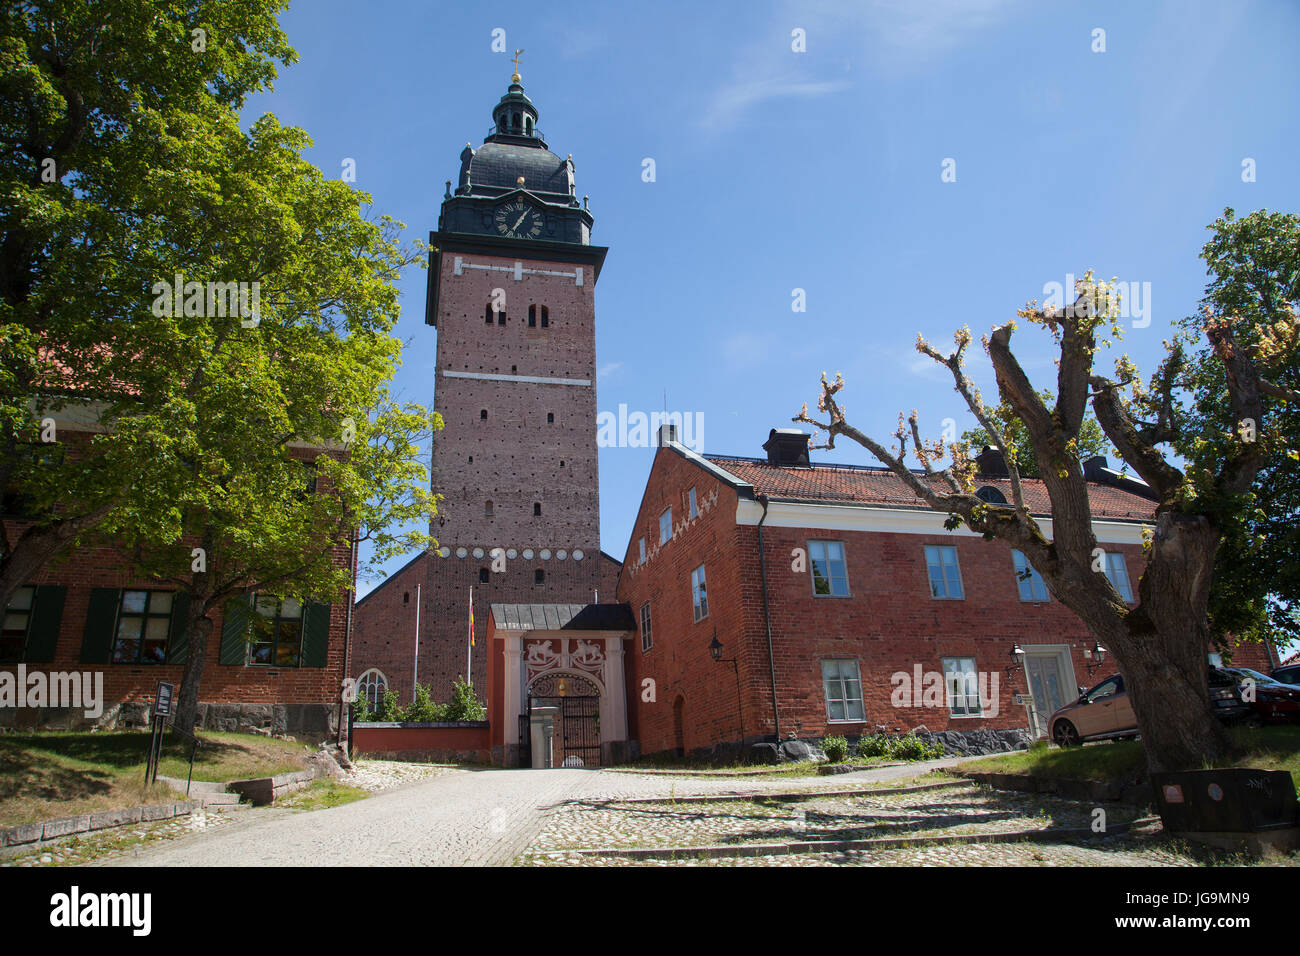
(162, 699)
(1022, 700)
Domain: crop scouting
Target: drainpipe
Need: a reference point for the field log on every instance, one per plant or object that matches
(345, 721)
(767, 620)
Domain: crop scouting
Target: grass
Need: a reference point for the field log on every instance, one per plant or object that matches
(45, 776)
(1267, 748)
(322, 795)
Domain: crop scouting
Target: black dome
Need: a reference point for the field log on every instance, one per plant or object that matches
(498, 165)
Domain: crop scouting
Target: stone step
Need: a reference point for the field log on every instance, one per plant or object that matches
(217, 800)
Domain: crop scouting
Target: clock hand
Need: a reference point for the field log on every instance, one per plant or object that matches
(519, 220)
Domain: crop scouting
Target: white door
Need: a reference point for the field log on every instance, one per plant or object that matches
(1047, 683)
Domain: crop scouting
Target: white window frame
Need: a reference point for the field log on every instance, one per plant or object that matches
(839, 683)
(666, 526)
(1120, 580)
(961, 687)
(647, 638)
(699, 594)
(830, 578)
(372, 680)
(694, 509)
(1034, 582)
(940, 549)
(642, 550)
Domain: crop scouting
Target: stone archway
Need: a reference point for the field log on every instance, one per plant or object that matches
(577, 726)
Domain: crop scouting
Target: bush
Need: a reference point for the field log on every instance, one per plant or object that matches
(907, 747)
(464, 705)
(388, 707)
(876, 745)
(423, 710)
(361, 709)
(836, 748)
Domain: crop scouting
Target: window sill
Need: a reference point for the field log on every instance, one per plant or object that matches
(831, 720)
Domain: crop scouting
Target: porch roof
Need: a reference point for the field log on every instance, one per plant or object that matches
(564, 617)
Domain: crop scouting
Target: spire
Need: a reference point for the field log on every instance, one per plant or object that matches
(515, 116)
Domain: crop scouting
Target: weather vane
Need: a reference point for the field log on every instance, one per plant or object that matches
(516, 63)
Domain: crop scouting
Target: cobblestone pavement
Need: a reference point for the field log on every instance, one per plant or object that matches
(379, 775)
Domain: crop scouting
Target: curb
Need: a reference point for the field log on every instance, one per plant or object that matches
(795, 795)
(1095, 791)
(839, 846)
(34, 836)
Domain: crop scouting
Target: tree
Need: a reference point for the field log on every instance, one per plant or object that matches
(1254, 265)
(1091, 440)
(106, 112)
(1161, 643)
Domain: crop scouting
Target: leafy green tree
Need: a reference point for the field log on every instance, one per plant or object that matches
(464, 705)
(1254, 268)
(104, 110)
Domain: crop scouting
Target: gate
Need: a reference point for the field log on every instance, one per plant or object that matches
(577, 725)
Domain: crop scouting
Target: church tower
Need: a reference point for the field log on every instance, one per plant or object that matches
(511, 291)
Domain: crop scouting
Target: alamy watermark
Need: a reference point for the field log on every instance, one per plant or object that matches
(1134, 299)
(208, 300)
(641, 430)
(970, 692)
(82, 690)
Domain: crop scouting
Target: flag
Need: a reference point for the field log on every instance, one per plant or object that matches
(471, 617)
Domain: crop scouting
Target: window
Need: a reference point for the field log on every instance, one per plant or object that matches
(487, 314)
(666, 526)
(406, 597)
(537, 509)
(482, 575)
(277, 632)
(482, 414)
(693, 509)
(829, 571)
(546, 317)
(1032, 586)
(487, 508)
(17, 622)
(533, 311)
(1117, 571)
(642, 547)
(962, 683)
(945, 580)
(1107, 688)
(842, 685)
(371, 685)
(699, 598)
(501, 317)
(532, 316)
(550, 418)
(647, 641)
(143, 620)
(539, 576)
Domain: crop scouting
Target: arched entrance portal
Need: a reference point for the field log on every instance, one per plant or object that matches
(577, 726)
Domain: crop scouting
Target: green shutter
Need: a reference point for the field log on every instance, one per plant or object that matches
(101, 620)
(47, 615)
(315, 634)
(234, 631)
(178, 642)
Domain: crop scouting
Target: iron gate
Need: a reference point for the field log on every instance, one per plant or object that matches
(577, 725)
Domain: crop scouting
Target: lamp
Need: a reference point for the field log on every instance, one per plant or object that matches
(1017, 659)
(715, 651)
(1096, 656)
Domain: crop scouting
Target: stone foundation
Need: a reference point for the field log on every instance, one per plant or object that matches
(306, 722)
(976, 743)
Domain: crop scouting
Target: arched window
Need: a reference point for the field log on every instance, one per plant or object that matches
(371, 685)
(482, 414)
(528, 124)
(514, 121)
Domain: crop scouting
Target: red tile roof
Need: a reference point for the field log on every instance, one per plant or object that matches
(878, 486)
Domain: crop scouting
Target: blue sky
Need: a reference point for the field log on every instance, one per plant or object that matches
(778, 170)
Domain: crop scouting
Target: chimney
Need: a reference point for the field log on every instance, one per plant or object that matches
(991, 463)
(1094, 467)
(787, 447)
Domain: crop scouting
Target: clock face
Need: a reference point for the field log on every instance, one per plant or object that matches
(518, 220)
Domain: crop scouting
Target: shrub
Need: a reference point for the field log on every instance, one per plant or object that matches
(361, 709)
(876, 745)
(464, 705)
(423, 710)
(388, 707)
(836, 748)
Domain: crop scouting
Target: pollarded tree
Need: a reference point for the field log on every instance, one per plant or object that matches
(1161, 643)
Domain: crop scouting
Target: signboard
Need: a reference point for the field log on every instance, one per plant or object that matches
(1022, 700)
(162, 700)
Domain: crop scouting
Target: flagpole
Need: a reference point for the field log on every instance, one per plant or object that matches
(469, 647)
(415, 677)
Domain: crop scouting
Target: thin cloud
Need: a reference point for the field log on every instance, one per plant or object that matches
(606, 370)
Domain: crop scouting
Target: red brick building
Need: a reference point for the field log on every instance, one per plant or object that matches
(89, 614)
(846, 606)
(512, 294)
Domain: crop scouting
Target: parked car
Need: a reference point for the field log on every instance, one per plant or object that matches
(1288, 674)
(1106, 713)
(1274, 700)
(1102, 713)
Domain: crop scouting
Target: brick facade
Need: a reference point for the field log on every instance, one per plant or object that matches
(889, 624)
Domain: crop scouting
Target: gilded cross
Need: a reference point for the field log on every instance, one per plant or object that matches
(516, 60)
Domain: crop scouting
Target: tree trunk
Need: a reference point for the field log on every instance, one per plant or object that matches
(187, 700)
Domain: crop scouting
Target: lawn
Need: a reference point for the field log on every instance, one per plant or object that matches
(1267, 748)
(44, 776)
